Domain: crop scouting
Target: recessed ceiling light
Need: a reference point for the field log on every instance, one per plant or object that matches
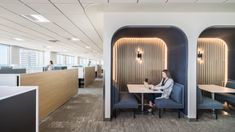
(88, 47)
(18, 39)
(74, 39)
(47, 47)
(36, 18)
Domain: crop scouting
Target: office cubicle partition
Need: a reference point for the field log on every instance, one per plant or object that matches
(19, 109)
(55, 88)
(12, 71)
(89, 75)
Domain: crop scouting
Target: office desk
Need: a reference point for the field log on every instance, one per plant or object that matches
(141, 89)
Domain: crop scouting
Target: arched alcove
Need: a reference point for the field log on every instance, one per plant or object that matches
(176, 55)
(225, 34)
(212, 61)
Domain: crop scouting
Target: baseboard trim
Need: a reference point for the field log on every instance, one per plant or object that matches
(107, 119)
(192, 119)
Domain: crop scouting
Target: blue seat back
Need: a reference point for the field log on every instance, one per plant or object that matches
(115, 93)
(177, 93)
(230, 84)
(199, 96)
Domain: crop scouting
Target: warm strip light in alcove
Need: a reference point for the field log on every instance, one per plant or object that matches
(142, 52)
(226, 54)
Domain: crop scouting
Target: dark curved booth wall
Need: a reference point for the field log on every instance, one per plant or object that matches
(228, 35)
(176, 42)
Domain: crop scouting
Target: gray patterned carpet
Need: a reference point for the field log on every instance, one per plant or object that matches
(83, 113)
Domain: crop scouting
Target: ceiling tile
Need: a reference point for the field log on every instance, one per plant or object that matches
(122, 1)
(211, 1)
(94, 1)
(19, 8)
(36, 1)
(230, 1)
(45, 9)
(152, 1)
(71, 8)
(65, 1)
(181, 1)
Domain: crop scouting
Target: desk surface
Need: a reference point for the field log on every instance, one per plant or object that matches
(9, 91)
(140, 88)
(216, 89)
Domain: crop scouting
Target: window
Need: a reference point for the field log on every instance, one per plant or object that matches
(32, 60)
(84, 61)
(60, 59)
(70, 60)
(4, 54)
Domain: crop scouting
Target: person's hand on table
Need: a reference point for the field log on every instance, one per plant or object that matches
(151, 87)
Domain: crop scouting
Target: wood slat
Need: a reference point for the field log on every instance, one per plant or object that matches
(212, 70)
(125, 67)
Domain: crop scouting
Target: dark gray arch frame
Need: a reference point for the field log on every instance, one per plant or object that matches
(180, 71)
(226, 33)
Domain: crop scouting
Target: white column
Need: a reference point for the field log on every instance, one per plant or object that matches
(48, 56)
(14, 55)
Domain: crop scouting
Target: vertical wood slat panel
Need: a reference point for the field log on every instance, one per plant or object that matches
(128, 70)
(212, 69)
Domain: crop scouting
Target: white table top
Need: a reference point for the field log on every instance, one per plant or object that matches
(140, 88)
(216, 89)
(9, 91)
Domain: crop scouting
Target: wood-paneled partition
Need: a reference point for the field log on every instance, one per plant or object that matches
(89, 75)
(126, 69)
(212, 66)
(55, 88)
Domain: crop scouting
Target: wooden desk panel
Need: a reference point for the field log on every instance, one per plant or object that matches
(89, 76)
(55, 88)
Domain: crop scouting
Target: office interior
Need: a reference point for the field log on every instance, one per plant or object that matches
(91, 65)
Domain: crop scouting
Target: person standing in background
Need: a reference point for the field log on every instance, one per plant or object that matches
(50, 66)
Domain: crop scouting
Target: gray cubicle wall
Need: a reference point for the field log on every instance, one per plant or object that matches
(12, 71)
(18, 113)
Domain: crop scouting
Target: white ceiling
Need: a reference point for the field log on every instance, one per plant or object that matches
(75, 18)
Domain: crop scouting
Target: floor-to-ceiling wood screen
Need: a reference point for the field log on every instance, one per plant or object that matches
(212, 67)
(126, 69)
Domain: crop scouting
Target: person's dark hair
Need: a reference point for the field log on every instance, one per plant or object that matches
(167, 73)
(51, 62)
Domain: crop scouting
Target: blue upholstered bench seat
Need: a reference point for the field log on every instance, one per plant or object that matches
(228, 97)
(123, 100)
(127, 101)
(168, 103)
(209, 103)
(175, 101)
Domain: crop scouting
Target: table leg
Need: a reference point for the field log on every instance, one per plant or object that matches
(142, 102)
(213, 97)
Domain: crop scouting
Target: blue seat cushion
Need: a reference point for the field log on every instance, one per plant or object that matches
(209, 103)
(127, 101)
(177, 93)
(168, 103)
(230, 98)
(230, 84)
